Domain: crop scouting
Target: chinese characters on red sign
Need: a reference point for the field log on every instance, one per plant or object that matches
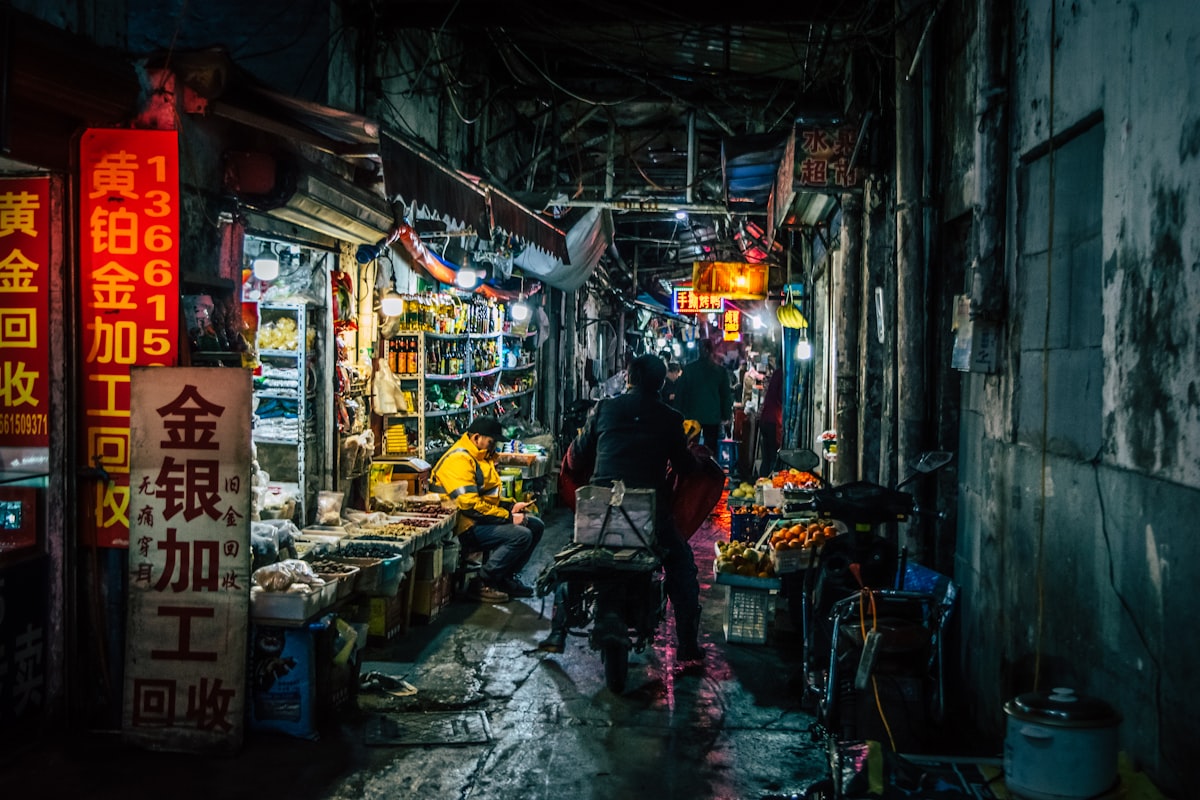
(129, 284)
(24, 310)
(823, 158)
(731, 325)
(685, 301)
(189, 557)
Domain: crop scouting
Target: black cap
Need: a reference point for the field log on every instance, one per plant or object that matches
(487, 426)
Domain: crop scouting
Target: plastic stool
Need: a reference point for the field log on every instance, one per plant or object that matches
(727, 454)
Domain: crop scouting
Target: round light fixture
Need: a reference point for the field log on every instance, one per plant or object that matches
(266, 263)
(392, 304)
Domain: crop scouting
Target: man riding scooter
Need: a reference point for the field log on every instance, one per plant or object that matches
(634, 438)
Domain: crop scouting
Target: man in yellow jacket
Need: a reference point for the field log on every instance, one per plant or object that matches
(497, 525)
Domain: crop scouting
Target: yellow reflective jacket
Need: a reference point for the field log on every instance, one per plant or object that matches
(466, 475)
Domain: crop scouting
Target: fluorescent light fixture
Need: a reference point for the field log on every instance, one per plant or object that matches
(266, 263)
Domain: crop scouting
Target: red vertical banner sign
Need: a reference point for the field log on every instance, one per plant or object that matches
(129, 286)
(189, 559)
(24, 312)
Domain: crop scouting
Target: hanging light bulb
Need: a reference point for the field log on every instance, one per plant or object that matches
(467, 278)
(266, 263)
(520, 311)
(804, 347)
(392, 304)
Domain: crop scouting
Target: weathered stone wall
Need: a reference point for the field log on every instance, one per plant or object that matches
(1080, 460)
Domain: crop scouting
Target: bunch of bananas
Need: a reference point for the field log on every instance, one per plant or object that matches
(789, 315)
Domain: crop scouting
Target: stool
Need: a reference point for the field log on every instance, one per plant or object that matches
(727, 454)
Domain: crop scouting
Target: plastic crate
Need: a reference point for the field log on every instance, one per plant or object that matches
(747, 612)
(744, 526)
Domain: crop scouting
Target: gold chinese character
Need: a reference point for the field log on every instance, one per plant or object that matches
(113, 286)
(16, 213)
(17, 387)
(16, 273)
(115, 174)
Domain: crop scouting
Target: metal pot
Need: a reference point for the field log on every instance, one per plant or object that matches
(1060, 745)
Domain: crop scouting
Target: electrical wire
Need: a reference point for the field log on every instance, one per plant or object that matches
(862, 624)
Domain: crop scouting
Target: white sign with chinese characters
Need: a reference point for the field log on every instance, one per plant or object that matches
(189, 558)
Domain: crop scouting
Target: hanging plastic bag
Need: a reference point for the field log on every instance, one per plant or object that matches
(386, 400)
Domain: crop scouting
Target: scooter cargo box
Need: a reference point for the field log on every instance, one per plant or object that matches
(595, 525)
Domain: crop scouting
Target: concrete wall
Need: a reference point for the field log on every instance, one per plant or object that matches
(1077, 547)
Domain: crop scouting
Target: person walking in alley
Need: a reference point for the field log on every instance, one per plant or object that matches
(770, 422)
(703, 393)
(487, 521)
(670, 394)
(634, 438)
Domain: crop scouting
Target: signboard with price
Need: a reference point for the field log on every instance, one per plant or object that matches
(129, 285)
(189, 559)
(24, 312)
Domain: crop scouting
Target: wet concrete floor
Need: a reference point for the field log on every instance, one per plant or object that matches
(731, 729)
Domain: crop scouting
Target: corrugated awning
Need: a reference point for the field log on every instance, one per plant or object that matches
(514, 219)
(413, 177)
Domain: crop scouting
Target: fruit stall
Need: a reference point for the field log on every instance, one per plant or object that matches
(771, 534)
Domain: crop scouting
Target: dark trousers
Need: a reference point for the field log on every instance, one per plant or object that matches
(712, 435)
(508, 547)
(769, 434)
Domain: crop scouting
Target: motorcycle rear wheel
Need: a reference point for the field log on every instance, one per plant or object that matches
(616, 666)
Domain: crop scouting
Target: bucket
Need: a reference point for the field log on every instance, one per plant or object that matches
(1060, 746)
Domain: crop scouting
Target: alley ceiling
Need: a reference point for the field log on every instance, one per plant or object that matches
(613, 99)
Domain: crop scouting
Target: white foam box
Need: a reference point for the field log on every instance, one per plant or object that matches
(592, 508)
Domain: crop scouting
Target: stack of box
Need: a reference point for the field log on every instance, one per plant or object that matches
(431, 586)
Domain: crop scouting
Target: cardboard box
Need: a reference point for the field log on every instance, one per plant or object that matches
(594, 524)
(414, 472)
(429, 598)
(428, 563)
(385, 616)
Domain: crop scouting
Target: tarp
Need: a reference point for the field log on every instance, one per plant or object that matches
(587, 240)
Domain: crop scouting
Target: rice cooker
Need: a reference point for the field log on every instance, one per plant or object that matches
(1060, 745)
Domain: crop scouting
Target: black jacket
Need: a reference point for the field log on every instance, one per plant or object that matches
(632, 438)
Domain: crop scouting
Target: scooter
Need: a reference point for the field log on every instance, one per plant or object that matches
(872, 644)
(617, 591)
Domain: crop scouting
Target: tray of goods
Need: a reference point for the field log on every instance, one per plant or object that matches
(292, 606)
(331, 569)
(366, 577)
(424, 507)
(394, 561)
(741, 564)
(392, 531)
(741, 495)
(795, 543)
(794, 479)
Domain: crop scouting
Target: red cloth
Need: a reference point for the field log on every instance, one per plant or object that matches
(697, 494)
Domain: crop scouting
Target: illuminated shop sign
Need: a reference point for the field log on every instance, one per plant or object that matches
(735, 280)
(24, 311)
(686, 301)
(129, 284)
(731, 325)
